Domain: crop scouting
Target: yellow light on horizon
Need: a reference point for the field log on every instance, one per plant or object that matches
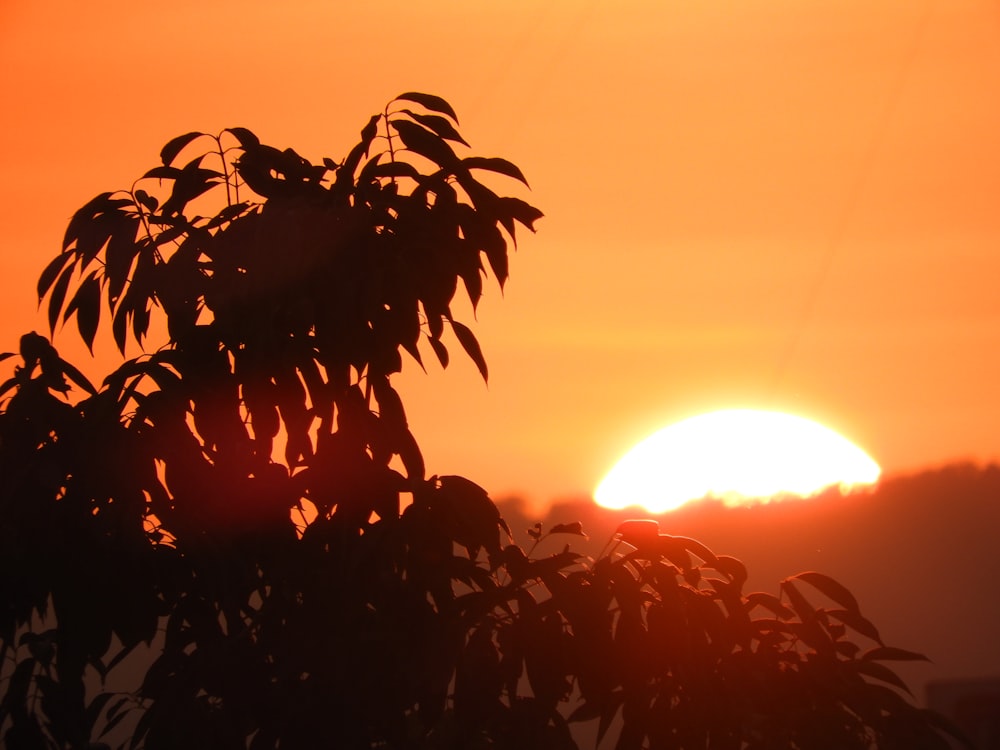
(739, 456)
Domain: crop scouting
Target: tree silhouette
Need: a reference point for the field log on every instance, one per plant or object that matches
(247, 503)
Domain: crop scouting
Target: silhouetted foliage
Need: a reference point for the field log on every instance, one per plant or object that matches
(248, 501)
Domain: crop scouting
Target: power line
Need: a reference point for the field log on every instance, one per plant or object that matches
(855, 191)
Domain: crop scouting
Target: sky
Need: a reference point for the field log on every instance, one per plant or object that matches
(775, 204)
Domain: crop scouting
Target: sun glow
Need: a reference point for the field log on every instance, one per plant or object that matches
(739, 456)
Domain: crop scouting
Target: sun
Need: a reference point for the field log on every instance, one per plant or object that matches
(740, 456)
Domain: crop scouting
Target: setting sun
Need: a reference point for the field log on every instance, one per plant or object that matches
(739, 456)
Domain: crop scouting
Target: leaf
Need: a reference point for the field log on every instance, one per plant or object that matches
(517, 209)
(140, 322)
(800, 604)
(608, 714)
(227, 215)
(429, 101)
(146, 200)
(409, 453)
(440, 350)
(439, 125)
(389, 169)
(51, 272)
(193, 181)
(175, 145)
(115, 716)
(471, 346)
(495, 164)
(118, 257)
(891, 653)
(733, 568)
(699, 549)
(880, 672)
(7, 385)
(88, 213)
(472, 278)
(770, 602)
(495, 247)
(93, 711)
(58, 296)
(162, 173)
(246, 137)
(345, 172)
(119, 325)
(421, 141)
(77, 377)
(831, 588)
(575, 528)
(856, 622)
(390, 405)
(640, 533)
(86, 303)
(476, 518)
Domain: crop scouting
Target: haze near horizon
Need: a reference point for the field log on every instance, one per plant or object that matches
(784, 206)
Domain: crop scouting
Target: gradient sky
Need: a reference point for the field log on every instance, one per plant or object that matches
(774, 204)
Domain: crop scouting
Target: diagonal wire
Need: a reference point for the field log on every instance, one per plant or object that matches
(855, 191)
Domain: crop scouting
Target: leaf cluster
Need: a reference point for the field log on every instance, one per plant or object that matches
(245, 511)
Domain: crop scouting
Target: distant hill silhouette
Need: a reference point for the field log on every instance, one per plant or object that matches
(929, 538)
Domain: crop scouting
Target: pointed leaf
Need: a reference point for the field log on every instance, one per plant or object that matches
(77, 377)
(409, 453)
(429, 101)
(51, 272)
(800, 604)
(118, 257)
(473, 280)
(162, 173)
(246, 137)
(516, 209)
(7, 385)
(119, 326)
(881, 672)
(693, 545)
(439, 350)
(608, 714)
(390, 405)
(831, 588)
(97, 207)
(345, 172)
(87, 305)
(575, 528)
(422, 141)
(733, 568)
(495, 247)
(58, 296)
(93, 711)
(471, 346)
(856, 622)
(495, 164)
(890, 653)
(439, 125)
(389, 169)
(770, 602)
(140, 322)
(175, 145)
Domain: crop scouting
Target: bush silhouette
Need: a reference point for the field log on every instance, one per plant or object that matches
(247, 500)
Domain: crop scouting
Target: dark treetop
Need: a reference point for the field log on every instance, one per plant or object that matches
(233, 542)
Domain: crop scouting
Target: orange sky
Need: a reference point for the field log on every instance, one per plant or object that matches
(773, 204)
